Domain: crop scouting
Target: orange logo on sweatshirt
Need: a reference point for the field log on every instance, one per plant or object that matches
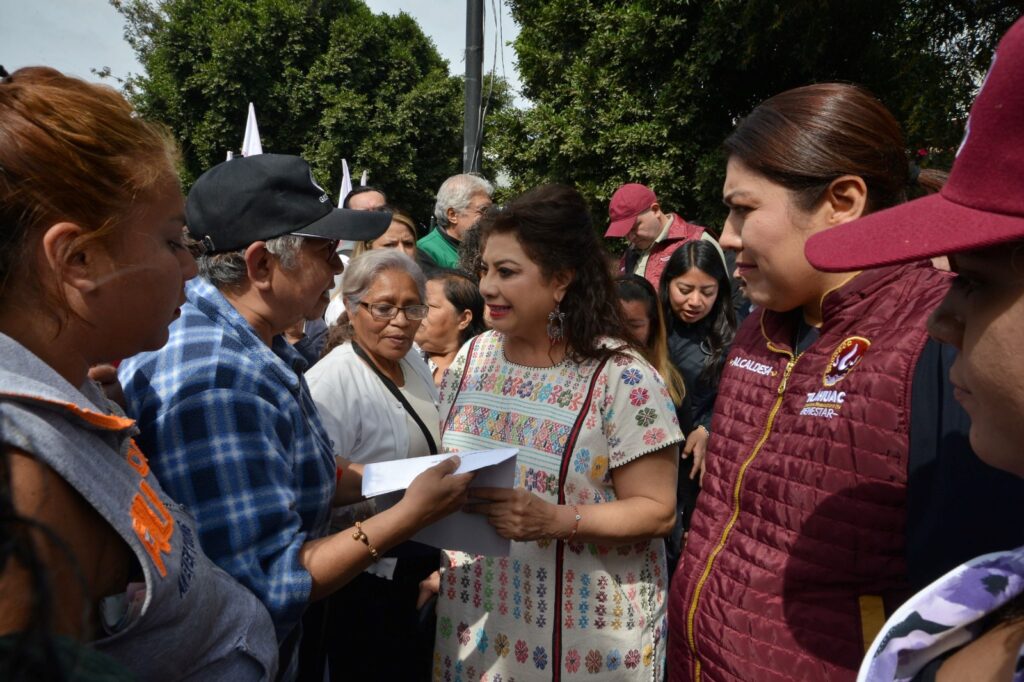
(151, 521)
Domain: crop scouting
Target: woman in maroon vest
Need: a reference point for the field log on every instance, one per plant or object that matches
(969, 624)
(835, 432)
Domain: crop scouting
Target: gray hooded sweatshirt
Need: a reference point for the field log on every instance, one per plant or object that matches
(190, 620)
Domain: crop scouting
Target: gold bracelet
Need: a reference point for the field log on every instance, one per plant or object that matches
(360, 536)
(576, 526)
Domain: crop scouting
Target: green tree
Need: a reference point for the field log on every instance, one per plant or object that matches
(330, 80)
(647, 90)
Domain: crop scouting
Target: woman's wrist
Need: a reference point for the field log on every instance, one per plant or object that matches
(566, 522)
(577, 518)
(404, 519)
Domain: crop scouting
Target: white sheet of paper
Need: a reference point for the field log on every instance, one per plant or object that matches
(465, 532)
(397, 474)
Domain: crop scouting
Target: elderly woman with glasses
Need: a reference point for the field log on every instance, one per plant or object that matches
(378, 402)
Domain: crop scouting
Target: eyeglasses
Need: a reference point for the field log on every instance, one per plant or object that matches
(386, 311)
(332, 249)
(196, 247)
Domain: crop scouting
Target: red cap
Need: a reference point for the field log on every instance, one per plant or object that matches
(982, 204)
(628, 202)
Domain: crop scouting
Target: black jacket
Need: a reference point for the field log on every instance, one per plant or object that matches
(687, 353)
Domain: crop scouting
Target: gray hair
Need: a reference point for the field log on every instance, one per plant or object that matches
(227, 270)
(363, 270)
(456, 192)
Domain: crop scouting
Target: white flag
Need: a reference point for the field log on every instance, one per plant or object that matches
(366, 176)
(346, 183)
(251, 142)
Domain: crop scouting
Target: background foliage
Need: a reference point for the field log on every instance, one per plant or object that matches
(329, 78)
(637, 90)
(647, 90)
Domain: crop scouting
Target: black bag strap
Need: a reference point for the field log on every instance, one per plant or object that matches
(397, 392)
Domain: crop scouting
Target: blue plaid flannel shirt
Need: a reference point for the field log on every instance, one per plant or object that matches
(232, 433)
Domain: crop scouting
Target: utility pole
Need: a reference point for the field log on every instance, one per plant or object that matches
(474, 86)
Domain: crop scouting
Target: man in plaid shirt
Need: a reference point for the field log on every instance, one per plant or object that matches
(226, 416)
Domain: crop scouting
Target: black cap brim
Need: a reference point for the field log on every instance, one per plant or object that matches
(345, 223)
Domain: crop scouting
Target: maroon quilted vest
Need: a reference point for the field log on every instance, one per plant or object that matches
(679, 232)
(796, 549)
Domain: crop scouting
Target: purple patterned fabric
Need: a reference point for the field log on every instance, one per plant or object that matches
(944, 616)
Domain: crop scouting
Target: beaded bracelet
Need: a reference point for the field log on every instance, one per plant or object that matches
(360, 536)
(576, 525)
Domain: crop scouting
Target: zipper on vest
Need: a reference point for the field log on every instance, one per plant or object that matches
(691, 615)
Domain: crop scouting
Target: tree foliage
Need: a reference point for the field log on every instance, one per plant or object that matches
(647, 90)
(329, 79)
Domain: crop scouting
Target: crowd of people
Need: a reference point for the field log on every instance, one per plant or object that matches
(787, 452)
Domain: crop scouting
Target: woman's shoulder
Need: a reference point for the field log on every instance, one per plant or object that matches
(484, 347)
(341, 365)
(620, 354)
(417, 364)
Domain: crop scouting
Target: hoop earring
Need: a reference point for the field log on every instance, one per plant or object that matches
(556, 322)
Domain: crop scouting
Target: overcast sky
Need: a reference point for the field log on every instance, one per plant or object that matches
(78, 35)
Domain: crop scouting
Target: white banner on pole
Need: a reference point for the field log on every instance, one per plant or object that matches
(346, 183)
(251, 142)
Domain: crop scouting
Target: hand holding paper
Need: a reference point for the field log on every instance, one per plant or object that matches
(435, 493)
(397, 474)
(516, 514)
(466, 532)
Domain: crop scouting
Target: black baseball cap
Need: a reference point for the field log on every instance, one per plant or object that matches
(255, 198)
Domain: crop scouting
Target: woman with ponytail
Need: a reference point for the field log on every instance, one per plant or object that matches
(835, 431)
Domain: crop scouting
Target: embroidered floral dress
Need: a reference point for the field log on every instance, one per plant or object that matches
(555, 610)
(945, 616)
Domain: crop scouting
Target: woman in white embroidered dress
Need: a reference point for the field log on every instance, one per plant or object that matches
(583, 591)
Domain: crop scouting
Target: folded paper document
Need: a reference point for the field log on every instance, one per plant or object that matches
(465, 532)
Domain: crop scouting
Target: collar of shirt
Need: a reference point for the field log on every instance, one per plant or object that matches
(664, 233)
(280, 357)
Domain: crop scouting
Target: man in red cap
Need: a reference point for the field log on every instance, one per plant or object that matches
(653, 235)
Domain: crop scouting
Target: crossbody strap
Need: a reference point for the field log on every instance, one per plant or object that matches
(575, 432)
(397, 392)
(556, 631)
(462, 383)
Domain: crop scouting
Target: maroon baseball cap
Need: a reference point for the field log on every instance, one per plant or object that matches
(982, 204)
(628, 202)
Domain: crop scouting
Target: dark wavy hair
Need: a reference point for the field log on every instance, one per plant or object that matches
(554, 227)
(34, 655)
(721, 319)
(462, 292)
(805, 138)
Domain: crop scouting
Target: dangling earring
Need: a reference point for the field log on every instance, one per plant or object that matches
(556, 320)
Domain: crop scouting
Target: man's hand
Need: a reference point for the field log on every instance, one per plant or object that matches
(106, 377)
